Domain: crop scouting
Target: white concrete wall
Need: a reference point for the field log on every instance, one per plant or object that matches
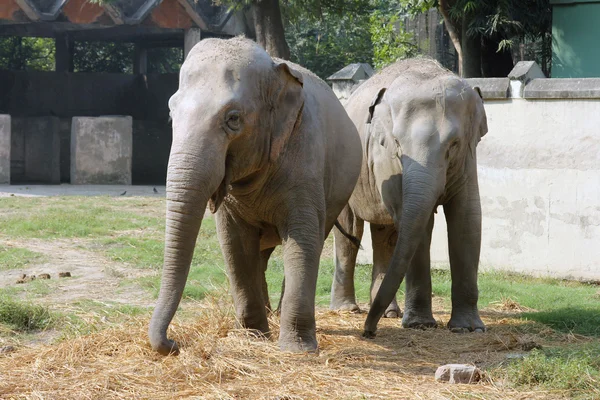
(539, 177)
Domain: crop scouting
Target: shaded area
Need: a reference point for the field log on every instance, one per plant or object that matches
(581, 321)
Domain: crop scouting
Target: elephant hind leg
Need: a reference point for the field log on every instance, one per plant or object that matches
(343, 296)
(264, 262)
(383, 238)
(417, 307)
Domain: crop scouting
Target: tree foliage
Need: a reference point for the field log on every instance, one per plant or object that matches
(103, 57)
(326, 35)
(326, 44)
(503, 23)
(390, 41)
(33, 54)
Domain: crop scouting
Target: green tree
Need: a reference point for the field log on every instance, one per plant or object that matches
(103, 57)
(484, 31)
(390, 41)
(325, 45)
(26, 53)
(325, 36)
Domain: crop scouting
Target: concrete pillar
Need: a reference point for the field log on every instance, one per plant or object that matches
(4, 149)
(35, 150)
(192, 36)
(101, 150)
(63, 55)
(140, 59)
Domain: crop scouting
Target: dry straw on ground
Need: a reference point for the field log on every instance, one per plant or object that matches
(220, 362)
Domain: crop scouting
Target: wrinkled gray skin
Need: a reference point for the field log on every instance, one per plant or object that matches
(271, 150)
(419, 125)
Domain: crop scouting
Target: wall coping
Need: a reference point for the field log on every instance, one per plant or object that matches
(563, 88)
(491, 88)
(526, 80)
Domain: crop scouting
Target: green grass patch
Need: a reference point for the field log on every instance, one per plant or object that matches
(23, 316)
(140, 252)
(565, 306)
(30, 290)
(575, 368)
(17, 257)
(63, 217)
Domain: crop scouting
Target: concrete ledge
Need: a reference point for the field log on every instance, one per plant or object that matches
(101, 150)
(4, 149)
(563, 88)
(491, 88)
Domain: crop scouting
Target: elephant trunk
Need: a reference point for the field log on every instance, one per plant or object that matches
(420, 191)
(190, 184)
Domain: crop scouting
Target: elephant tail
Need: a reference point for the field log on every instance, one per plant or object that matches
(355, 241)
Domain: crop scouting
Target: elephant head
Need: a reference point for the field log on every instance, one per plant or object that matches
(232, 116)
(432, 127)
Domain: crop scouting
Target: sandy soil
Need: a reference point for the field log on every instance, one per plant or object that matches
(93, 277)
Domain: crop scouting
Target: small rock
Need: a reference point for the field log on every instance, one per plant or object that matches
(23, 276)
(7, 349)
(458, 373)
(64, 274)
(20, 281)
(515, 356)
(528, 346)
(43, 276)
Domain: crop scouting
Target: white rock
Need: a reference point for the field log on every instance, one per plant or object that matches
(458, 373)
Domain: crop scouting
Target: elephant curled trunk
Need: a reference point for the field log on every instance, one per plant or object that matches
(188, 193)
(420, 192)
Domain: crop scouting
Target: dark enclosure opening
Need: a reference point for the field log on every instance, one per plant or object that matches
(42, 103)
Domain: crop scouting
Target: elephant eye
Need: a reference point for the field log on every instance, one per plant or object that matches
(233, 120)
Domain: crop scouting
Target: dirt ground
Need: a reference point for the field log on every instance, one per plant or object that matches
(87, 281)
(221, 362)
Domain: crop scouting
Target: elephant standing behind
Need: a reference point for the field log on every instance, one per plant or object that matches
(270, 148)
(419, 126)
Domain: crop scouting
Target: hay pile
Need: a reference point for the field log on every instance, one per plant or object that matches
(220, 362)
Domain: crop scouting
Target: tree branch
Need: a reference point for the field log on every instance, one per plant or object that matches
(453, 34)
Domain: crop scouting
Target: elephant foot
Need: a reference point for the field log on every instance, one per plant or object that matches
(259, 334)
(463, 322)
(257, 325)
(393, 311)
(418, 321)
(345, 305)
(294, 343)
(166, 347)
(368, 334)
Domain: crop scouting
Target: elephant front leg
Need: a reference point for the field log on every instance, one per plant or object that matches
(343, 296)
(383, 238)
(417, 307)
(240, 243)
(302, 246)
(463, 217)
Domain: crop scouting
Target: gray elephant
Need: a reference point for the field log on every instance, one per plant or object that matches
(272, 151)
(419, 125)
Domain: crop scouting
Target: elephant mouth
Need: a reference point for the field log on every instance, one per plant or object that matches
(218, 196)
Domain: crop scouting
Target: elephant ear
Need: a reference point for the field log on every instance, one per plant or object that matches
(478, 122)
(288, 104)
(379, 118)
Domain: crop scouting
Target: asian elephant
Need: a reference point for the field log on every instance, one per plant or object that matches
(268, 146)
(419, 125)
